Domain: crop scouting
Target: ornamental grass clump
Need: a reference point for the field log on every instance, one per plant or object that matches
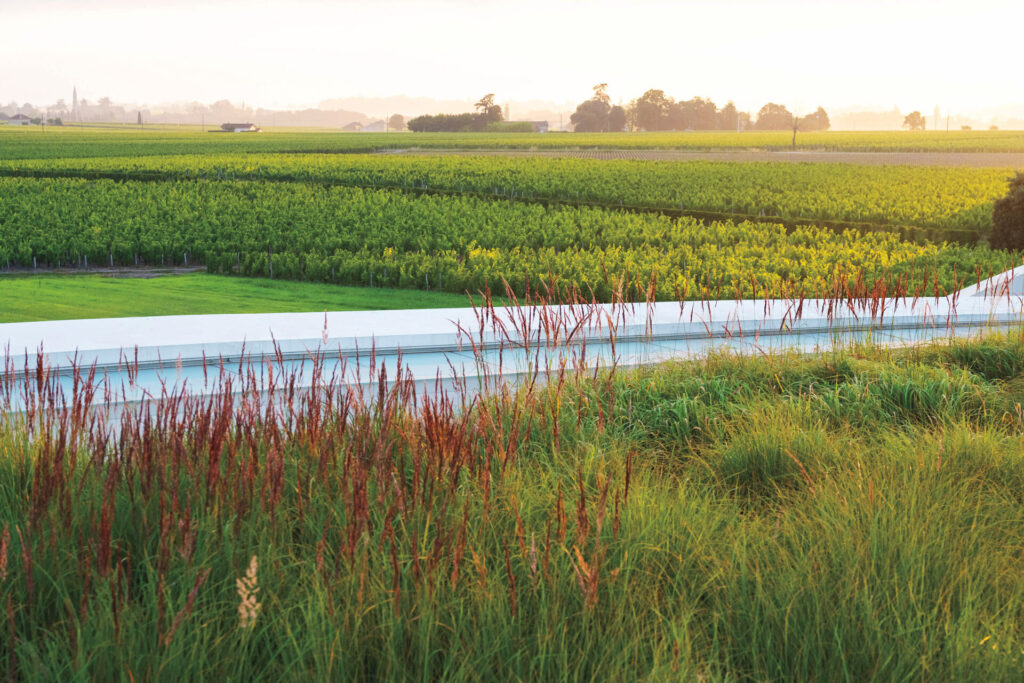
(774, 521)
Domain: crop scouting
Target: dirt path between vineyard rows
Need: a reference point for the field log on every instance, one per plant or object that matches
(141, 272)
(967, 159)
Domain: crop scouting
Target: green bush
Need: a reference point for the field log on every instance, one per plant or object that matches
(1008, 217)
(510, 127)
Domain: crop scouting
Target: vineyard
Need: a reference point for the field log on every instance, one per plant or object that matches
(271, 206)
(369, 237)
(955, 204)
(72, 141)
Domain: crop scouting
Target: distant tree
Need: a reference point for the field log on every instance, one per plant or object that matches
(617, 119)
(61, 105)
(728, 117)
(488, 109)
(105, 102)
(965, 128)
(595, 115)
(816, 121)
(914, 121)
(1008, 217)
(449, 123)
(396, 122)
(651, 110)
(696, 114)
(993, 127)
(139, 119)
(774, 117)
(591, 116)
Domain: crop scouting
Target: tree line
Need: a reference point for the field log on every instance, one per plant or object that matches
(652, 111)
(655, 111)
(486, 115)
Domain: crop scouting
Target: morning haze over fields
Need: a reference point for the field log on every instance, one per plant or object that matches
(561, 340)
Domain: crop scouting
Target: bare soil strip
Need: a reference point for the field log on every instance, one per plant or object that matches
(140, 272)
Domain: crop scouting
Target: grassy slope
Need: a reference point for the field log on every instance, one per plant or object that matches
(63, 297)
(850, 516)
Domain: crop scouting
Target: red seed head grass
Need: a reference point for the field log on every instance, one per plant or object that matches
(381, 488)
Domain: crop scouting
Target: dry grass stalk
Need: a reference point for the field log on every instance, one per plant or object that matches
(248, 587)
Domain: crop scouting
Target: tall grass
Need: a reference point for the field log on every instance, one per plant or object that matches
(854, 515)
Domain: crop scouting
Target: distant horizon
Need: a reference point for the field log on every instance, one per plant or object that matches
(456, 50)
(364, 110)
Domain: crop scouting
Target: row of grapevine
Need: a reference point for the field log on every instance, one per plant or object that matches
(953, 203)
(388, 238)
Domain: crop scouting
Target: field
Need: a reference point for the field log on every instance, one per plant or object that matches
(468, 223)
(952, 203)
(850, 516)
(73, 141)
(355, 236)
(62, 297)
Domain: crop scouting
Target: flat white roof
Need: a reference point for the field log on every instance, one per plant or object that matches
(430, 337)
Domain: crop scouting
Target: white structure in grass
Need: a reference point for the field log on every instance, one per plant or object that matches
(142, 356)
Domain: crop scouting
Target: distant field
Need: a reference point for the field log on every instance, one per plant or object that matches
(798, 156)
(65, 297)
(64, 142)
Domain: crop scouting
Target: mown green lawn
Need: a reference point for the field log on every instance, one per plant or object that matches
(25, 298)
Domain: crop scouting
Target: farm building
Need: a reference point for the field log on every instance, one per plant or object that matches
(540, 126)
(375, 127)
(353, 127)
(240, 128)
(19, 120)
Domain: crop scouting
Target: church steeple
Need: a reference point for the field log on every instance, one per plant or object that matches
(74, 98)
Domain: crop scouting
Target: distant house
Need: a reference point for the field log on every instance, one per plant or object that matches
(375, 127)
(540, 126)
(353, 127)
(240, 128)
(19, 120)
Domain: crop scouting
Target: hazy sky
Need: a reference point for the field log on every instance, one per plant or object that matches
(839, 53)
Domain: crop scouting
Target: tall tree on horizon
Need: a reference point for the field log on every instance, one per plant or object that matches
(774, 117)
(650, 111)
(914, 121)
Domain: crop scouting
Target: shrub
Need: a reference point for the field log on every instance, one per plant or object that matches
(1008, 217)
